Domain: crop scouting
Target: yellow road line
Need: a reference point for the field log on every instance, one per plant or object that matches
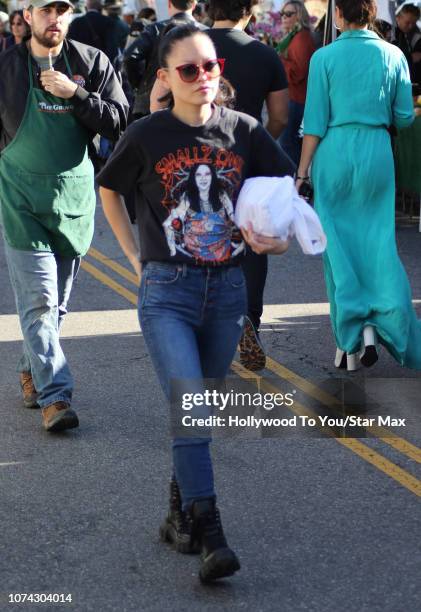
(109, 282)
(124, 272)
(301, 383)
(389, 468)
(384, 465)
(396, 442)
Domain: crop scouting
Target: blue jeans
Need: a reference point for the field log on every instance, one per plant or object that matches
(41, 283)
(192, 320)
(290, 140)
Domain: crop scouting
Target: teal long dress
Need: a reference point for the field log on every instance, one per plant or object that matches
(358, 86)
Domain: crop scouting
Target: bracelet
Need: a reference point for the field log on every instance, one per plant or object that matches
(302, 178)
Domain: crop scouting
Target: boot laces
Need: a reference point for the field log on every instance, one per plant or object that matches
(212, 524)
(180, 517)
(175, 497)
(28, 386)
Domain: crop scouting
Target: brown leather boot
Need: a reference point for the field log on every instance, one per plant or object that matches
(59, 416)
(29, 393)
(252, 353)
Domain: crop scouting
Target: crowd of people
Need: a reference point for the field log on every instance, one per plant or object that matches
(192, 112)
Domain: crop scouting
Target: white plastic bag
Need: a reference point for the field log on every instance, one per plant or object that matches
(273, 208)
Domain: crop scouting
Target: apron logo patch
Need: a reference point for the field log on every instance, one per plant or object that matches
(43, 107)
(79, 80)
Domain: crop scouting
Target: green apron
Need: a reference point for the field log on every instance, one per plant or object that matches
(47, 179)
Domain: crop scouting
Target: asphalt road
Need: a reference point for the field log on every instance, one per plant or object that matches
(319, 524)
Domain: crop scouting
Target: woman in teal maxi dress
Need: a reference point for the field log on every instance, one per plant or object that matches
(359, 86)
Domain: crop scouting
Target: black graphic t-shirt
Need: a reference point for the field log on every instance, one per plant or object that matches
(188, 179)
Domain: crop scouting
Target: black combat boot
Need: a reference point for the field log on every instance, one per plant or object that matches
(177, 527)
(218, 560)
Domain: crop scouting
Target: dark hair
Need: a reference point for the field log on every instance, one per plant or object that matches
(199, 10)
(170, 35)
(382, 28)
(409, 9)
(182, 5)
(192, 190)
(14, 13)
(27, 27)
(360, 12)
(232, 10)
(147, 13)
(174, 33)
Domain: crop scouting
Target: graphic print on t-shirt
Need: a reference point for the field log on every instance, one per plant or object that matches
(200, 184)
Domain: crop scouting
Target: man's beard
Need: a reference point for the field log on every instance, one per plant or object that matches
(47, 41)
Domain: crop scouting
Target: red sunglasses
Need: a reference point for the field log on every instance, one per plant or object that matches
(191, 72)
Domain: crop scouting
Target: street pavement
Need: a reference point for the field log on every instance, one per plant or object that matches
(319, 524)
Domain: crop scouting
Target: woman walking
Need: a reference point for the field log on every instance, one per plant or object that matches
(188, 164)
(358, 87)
(295, 49)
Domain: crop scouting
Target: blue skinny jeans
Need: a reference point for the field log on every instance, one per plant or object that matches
(192, 319)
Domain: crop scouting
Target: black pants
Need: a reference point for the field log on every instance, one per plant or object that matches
(255, 268)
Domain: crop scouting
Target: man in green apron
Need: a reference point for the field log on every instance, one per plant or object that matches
(55, 95)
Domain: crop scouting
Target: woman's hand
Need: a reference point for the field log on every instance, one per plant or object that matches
(303, 172)
(158, 91)
(264, 244)
(298, 184)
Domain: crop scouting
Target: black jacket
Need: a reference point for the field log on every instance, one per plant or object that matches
(141, 49)
(99, 102)
(410, 43)
(141, 59)
(93, 29)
